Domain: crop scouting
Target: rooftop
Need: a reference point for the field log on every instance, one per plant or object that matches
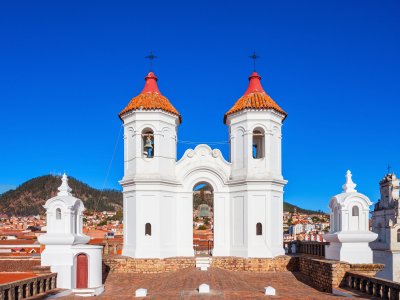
(6, 277)
(223, 284)
(254, 98)
(150, 99)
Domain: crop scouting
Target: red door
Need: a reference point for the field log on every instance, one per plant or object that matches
(82, 271)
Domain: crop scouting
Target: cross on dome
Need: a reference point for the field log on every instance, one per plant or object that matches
(64, 189)
(349, 186)
(151, 57)
(254, 57)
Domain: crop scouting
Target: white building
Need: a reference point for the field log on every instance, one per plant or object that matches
(349, 230)
(386, 223)
(296, 229)
(78, 266)
(158, 188)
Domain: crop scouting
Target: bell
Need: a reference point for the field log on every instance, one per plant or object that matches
(148, 144)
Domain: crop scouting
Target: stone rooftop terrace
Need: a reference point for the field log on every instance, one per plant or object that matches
(224, 284)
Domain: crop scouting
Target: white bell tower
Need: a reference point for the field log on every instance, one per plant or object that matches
(149, 182)
(255, 123)
(150, 134)
(386, 223)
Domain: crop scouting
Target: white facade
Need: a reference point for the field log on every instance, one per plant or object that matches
(296, 229)
(386, 223)
(65, 241)
(158, 190)
(349, 230)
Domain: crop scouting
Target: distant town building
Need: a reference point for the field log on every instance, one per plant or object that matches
(204, 211)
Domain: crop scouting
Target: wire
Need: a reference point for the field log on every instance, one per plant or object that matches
(209, 143)
(109, 168)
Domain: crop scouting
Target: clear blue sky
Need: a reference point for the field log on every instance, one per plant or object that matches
(68, 67)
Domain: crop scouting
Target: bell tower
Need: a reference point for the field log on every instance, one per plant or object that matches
(150, 134)
(255, 123)
(150, 137)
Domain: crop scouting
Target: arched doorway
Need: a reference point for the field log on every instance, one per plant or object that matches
(82, 271)
(203, 218)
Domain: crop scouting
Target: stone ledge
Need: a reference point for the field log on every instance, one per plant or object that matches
(124, 264)
(278, 264)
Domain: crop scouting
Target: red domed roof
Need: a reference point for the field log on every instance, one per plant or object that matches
(254, 98)
(150, 99)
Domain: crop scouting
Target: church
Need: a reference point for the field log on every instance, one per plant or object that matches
(158, 187)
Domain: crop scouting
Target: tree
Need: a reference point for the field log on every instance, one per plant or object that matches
(102, 223)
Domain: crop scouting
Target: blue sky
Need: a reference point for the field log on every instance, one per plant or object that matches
(68, 67)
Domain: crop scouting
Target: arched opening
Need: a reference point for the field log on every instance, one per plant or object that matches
(58, 213)
(335, 219)
(355, 218)
(258, 143)
(82, 271)
(148, 143)
(147, 229)
(203, 218)
(398, 235)
(355, 211)
(259, 229)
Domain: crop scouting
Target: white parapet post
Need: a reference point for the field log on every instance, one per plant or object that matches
(349, 235)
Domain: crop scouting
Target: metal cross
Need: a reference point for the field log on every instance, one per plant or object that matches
(151, 57)
(254, 56)
(389, 167)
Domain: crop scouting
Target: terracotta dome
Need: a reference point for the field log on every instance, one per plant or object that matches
(254, 98)
(150, 99)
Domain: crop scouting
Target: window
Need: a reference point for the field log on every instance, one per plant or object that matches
(259, 229)
(58, 213)
(398, 235)
(148, 143)
(147, 229)
(355, 211)
(258, 143)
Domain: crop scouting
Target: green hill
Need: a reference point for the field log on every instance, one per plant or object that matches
(290, 208)
(29, 197)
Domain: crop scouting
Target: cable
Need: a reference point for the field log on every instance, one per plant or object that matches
(109, 168)
(209, 143)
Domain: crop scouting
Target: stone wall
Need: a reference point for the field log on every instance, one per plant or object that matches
(277, 264)
(18, 264)
(324, 275)
(320, 273)
(123, 264)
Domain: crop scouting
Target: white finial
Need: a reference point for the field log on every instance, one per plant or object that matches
(64, 189)
(349, 186)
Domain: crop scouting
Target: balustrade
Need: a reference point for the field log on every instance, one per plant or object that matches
(376, 287)
(26, 288)
(306, 247)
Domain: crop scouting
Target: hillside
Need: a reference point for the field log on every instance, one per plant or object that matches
(29, 197)
(290, 208)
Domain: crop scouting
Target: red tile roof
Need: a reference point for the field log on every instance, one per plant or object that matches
(150, 99)
(17, 242)
(6, 277)
(254, 98)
